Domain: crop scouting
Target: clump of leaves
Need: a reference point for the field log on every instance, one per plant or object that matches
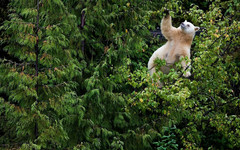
(168, 140)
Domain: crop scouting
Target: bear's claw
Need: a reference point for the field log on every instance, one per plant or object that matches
(166, 12)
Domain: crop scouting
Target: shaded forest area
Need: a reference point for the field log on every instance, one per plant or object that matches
(73, 75)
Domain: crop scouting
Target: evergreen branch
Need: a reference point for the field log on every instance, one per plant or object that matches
(52, 68)
(22, 22)
(81, 28)
(55, 85)
(36, 66)
(11, 145)
(7, 61)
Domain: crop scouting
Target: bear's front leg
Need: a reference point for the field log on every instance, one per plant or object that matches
(168, 31)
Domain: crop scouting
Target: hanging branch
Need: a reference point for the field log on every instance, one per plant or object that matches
(36, 46)
(36, 64)
(10, 62)
(82, 25)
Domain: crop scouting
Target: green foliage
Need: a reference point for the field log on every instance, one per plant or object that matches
(73, 75)
(39, 87)
(168, 140)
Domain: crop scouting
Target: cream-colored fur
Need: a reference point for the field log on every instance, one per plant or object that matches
(178, 45)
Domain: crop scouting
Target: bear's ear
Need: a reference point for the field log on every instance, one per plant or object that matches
(196, 28)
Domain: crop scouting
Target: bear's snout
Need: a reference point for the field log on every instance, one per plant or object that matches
(182, 25)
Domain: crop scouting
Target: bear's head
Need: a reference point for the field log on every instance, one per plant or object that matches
(188, 27)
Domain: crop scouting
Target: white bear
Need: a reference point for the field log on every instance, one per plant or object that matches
(177, 47)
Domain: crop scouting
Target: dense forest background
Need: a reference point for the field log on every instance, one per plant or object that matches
(73, 75)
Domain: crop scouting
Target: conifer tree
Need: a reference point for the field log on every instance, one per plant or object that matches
(112, 32)
(108, 36)
(38, 82)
